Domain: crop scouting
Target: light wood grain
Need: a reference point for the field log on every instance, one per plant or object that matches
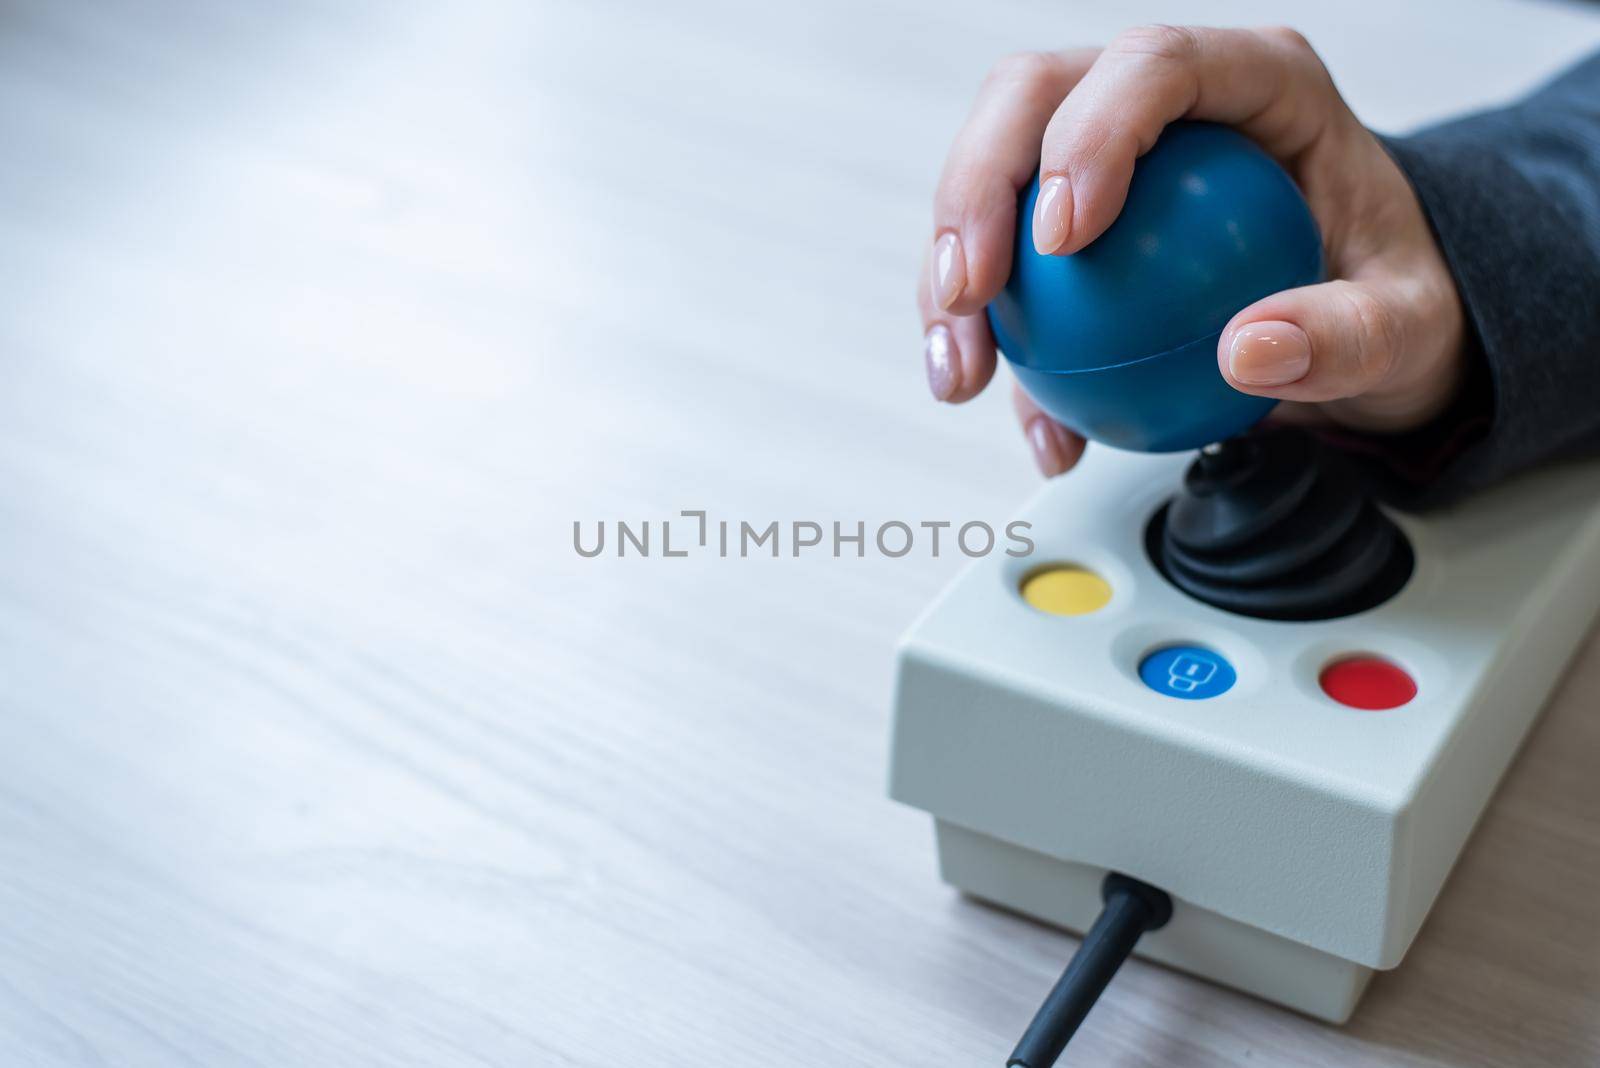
(320, 325)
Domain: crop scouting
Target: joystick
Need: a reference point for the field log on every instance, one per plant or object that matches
(1251, 746)
(1119, 343)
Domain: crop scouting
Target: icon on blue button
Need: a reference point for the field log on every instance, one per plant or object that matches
(1190, 672)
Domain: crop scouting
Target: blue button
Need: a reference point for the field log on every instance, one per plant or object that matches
(1190, 672)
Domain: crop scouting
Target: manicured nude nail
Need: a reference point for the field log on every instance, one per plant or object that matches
(949, 270)
(939, 352)
(1052, 216)
(1047, 451)
(1269, 354)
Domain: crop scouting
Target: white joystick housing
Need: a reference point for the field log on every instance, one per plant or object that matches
(1302, 841)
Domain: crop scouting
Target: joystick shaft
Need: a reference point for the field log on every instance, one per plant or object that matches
(1276, 526)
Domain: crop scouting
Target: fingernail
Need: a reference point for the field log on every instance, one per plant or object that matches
(1052, 216)
(1046, 446)
(949, 270)
(1269, 354)
(939, 352)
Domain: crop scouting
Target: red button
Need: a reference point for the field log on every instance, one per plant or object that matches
(1367, 682)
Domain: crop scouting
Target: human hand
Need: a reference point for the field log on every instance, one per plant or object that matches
(1377, 347)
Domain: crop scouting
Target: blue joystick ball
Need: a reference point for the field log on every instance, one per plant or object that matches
(1119, 341)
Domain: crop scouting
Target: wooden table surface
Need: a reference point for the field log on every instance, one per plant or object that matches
(320, 325)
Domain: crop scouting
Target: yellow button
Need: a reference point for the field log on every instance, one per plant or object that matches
(1066, 590)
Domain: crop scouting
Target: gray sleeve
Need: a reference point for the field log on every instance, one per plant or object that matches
(1513, 196)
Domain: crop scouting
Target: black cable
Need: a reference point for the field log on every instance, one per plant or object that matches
(1131, 909)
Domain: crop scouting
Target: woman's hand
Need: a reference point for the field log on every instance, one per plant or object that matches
(1379, 347)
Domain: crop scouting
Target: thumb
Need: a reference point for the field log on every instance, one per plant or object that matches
(1324, 342)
